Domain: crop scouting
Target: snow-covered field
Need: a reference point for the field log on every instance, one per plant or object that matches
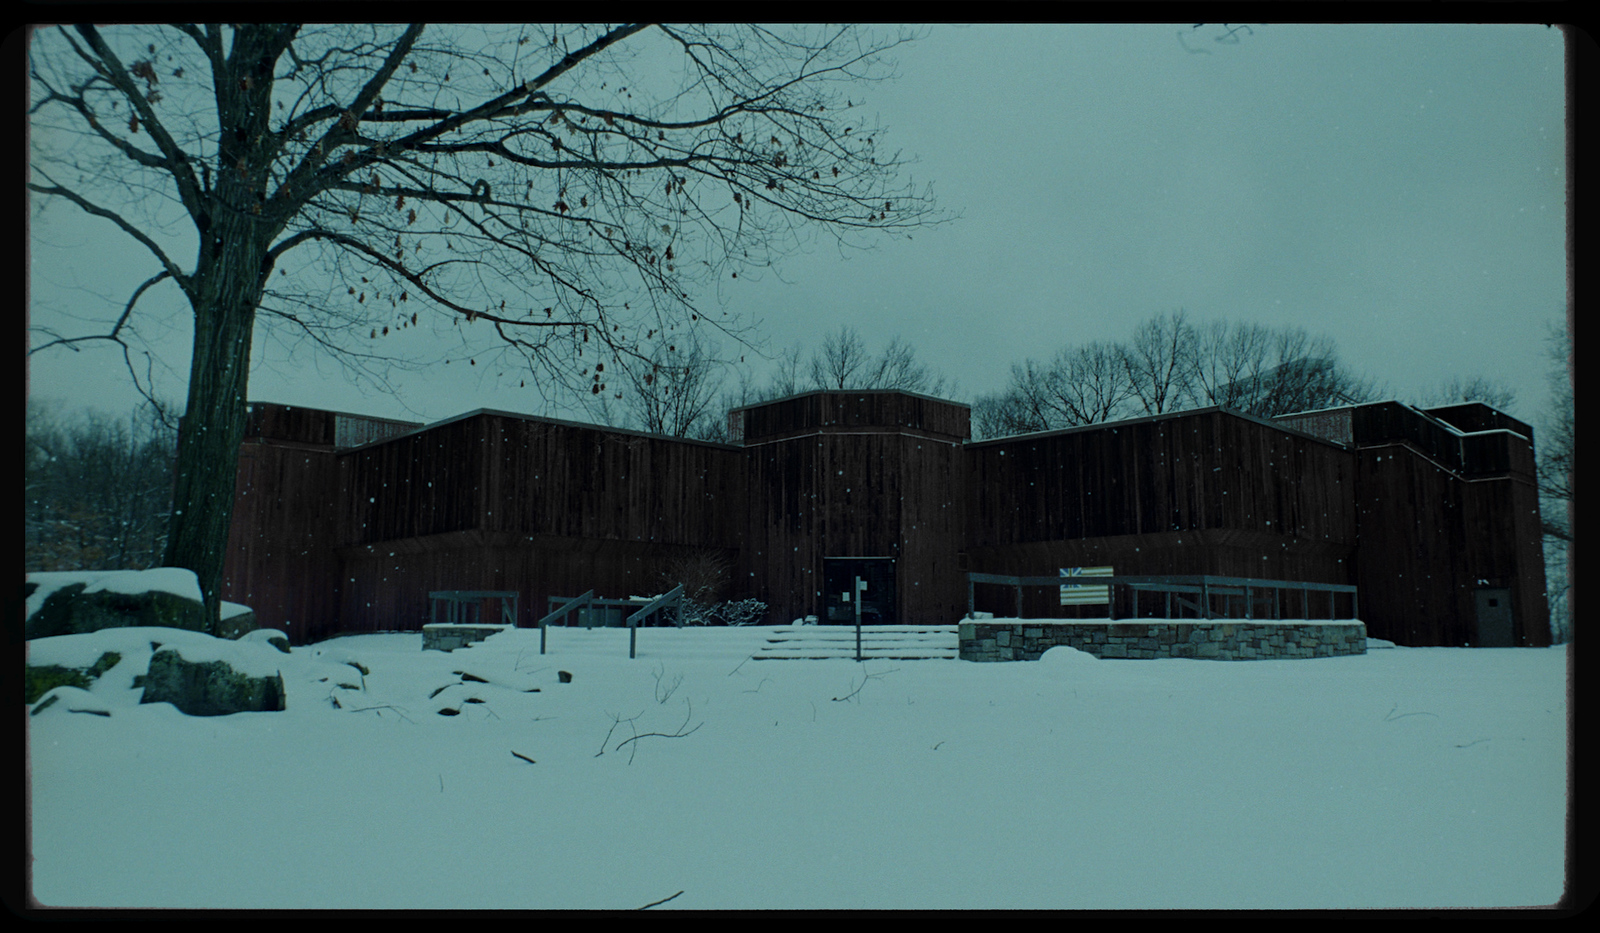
(1409, 777)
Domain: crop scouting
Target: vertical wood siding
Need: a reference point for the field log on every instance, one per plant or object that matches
(1413, 510)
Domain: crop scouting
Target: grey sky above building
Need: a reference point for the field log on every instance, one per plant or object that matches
(1402, 189)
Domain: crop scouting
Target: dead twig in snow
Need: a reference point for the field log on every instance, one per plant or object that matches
(383, 706)
(615, 722)
(665, 694)
(523, 757)
(1391, 717)
(864, 679)
(654, 903)
(731, 673)
(665, 735)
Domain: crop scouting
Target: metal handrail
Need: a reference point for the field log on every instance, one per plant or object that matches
(1204, 584)
(561, 612)
(674, 596)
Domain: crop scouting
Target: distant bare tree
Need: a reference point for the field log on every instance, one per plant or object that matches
(1170, 365)
(1158, 360)
(786, 378)
(1270, 371)
(1079, 385)
(1090, 384)
(674, 390)
(840, 361)
(843, 362)
(897, 368)
(1019, 408)
(1229, 359)
(1457, 390)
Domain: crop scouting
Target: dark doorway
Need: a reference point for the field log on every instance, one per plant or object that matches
(878, 606)
(1494, 618)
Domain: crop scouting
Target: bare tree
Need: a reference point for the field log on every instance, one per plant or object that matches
(1019, 408)
(558, 193)
(674, 391)
(1170, 365)
(842, 361)
(1158, 360)
(786, 379)
(1458, 389)
(1088, 384)
(1266, 371)
(897, 368)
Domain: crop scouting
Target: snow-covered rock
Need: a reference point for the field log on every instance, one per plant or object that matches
(213, 680)
(1064, 655)
(74, 603)
(269, 636)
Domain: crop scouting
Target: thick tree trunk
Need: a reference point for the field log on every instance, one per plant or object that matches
(230, 275)
(208, 449)
(214, 420)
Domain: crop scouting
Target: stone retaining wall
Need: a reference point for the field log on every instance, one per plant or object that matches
(1219, 639)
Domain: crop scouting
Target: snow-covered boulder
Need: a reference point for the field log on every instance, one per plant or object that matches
(213, 679)
(75, 603)
(238, 621)
(1066, 656)
(270, 636)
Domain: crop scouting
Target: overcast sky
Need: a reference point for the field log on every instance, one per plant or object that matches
(1401, 189)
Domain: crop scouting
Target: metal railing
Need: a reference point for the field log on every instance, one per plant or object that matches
(1178, 589)
(561, 612)
(672, 599)
(465, 607)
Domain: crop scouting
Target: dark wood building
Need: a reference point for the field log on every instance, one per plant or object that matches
(345, 523)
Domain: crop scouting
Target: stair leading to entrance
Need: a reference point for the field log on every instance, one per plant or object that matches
(898, 642)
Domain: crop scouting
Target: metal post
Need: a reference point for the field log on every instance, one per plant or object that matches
(1205, 597)
(1019, 600)
(633, 634)
(1248, 602)
(970, 605)
(857, 600)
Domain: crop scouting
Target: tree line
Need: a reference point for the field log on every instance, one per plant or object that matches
(97, 490)
(686, 390)
(1171, 364)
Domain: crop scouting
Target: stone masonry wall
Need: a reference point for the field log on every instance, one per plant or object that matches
(1223, 640)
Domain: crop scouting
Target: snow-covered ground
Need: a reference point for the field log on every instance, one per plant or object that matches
(1409, 777)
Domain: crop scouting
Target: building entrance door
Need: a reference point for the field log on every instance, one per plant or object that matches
(878, 606)
(1494, 618)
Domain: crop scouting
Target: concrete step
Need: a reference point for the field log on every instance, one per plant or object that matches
(898, 642)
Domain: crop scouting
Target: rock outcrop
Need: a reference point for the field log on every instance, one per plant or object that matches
(95, 601)
(209, 687)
